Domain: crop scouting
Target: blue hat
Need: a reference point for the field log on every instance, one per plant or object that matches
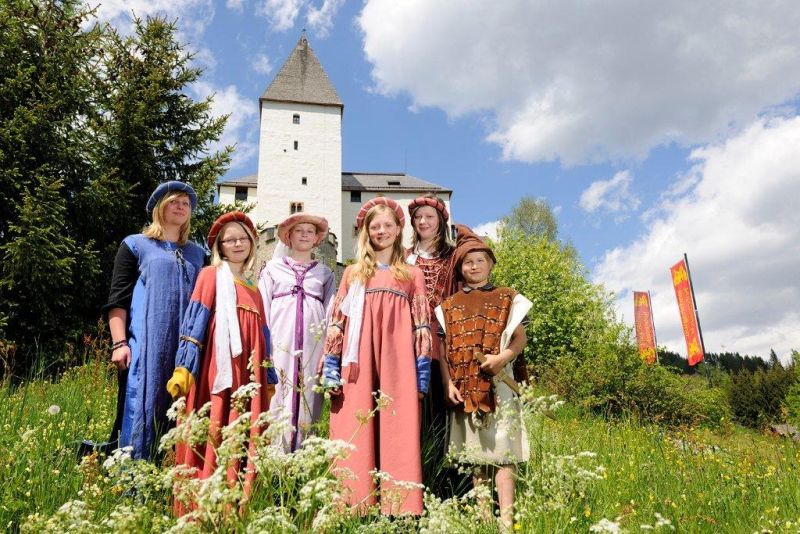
(165, 188)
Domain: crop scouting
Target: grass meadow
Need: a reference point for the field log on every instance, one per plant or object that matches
(586, 475)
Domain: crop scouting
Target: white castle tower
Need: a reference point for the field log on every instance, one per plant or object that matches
(300, 148)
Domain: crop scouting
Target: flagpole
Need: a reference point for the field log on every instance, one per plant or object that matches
(653, 324)
(697, 318)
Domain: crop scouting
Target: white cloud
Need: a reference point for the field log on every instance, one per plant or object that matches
(239, 128)
(282, 14)
(488, 229)
(739, 224)
(610, 195)
(193, 16)
(588, 81)
(236, 5)
(261, 64)
(320, 20)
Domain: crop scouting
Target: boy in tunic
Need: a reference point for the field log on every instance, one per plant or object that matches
(483, 334)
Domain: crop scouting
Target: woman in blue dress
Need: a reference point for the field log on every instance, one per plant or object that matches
(154, 274)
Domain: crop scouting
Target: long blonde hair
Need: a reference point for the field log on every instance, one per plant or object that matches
(366, 264)
(216, 252)
(155, 230)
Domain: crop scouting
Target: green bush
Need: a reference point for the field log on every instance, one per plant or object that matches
(571, 317)
(760, 398)
(578, 349)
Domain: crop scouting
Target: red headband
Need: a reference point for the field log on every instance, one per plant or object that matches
(233, 216)
(377, 201)
(435, 203)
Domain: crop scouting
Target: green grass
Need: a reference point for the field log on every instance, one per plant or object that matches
(730, 480)
(734, 480)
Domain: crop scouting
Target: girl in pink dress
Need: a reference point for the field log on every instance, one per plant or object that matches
(379, 339)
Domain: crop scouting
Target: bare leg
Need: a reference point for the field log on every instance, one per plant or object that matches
(485, 501)
(504, 481)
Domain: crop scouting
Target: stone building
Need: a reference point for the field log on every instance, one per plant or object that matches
(300, 158)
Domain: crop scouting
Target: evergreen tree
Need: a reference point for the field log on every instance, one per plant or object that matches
(48, 80)
(90, 123)
(154, 131)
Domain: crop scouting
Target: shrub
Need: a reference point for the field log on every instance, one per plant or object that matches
(571, 317)
(578, 349)
(757, 399)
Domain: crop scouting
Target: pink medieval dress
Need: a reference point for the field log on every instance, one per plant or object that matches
(394, 332)
(196, 353)
(296, 297)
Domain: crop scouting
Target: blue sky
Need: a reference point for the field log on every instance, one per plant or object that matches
(652, 130)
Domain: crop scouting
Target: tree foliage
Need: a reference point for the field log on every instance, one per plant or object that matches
(571, 316)
(758, 398)
(90, 122)
(577, 347)
(534, 218)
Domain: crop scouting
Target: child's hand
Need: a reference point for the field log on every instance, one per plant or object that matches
(122, 357)
(494, 364)
(452, 395)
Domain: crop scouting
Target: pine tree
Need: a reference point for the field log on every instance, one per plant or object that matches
(48, 80)
(154, 131)
(90, 123)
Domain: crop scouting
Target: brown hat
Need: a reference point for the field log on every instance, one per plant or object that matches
(468, 241)
(377, 201)
(433, 202)
(233, 216)
(285, 228)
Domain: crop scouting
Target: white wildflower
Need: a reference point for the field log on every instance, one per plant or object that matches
(605, 525)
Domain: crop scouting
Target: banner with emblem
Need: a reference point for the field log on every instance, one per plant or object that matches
(645, 329)
(681, 281)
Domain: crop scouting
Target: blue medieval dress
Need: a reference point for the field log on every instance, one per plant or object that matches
(153, 280)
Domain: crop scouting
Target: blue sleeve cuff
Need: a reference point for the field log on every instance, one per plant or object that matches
(423, 374)
(331, 371)
(192, 336)
(272, 375)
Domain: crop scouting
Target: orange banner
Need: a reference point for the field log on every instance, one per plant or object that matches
(643, 321)
(691, 330)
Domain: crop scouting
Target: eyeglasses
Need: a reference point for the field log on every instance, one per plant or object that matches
(235, 241)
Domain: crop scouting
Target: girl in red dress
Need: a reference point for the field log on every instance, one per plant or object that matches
(223, 341)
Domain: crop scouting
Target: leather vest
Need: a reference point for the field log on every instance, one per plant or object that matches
(474, 321)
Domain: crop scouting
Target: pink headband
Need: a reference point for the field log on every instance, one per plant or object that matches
(377, 201)
(435, 203)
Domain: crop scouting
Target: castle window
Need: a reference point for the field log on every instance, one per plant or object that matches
(296, 118)
(295, 207)
(355, 231)
(355, 196)
(304, 180)
(394, 182)
(296, 145)
(241, 194)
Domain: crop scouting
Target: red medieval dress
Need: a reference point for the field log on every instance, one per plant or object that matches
(196, 353)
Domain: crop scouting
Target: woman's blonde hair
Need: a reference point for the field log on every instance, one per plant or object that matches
(155, 230)
(216, 249)
(366, 264)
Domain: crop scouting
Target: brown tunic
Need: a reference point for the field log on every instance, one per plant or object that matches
(475, 320)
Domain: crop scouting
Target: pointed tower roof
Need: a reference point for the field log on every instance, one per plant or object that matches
(302, 79)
